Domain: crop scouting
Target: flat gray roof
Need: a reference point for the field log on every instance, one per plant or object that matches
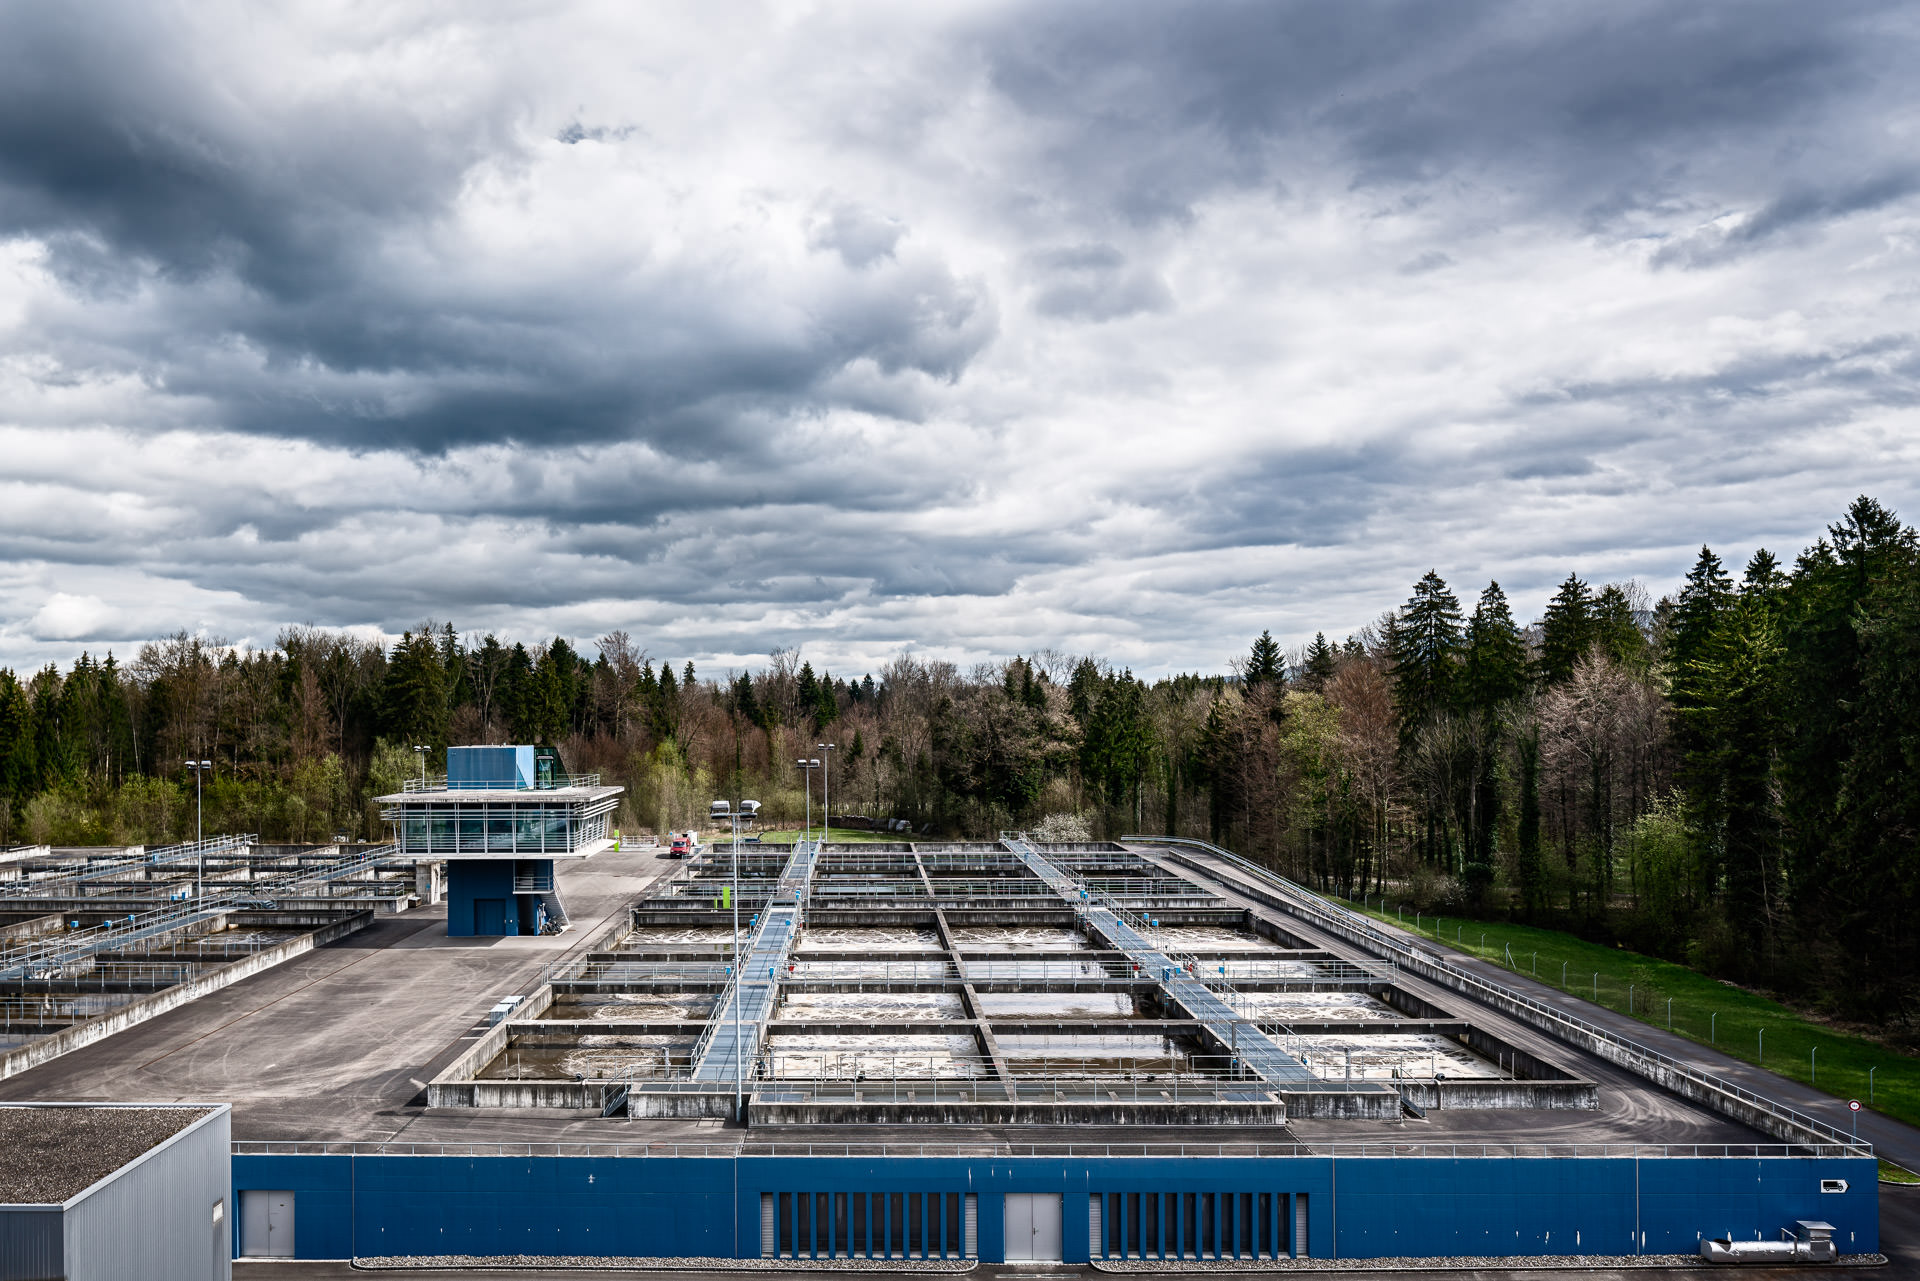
(48, 1154)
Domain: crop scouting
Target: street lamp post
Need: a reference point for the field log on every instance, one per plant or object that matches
(421, 751)
(807, 765)
(199, 769)
(826, 779)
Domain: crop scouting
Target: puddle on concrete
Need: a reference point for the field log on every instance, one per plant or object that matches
(1378, 1057)
(1022, 1005)
(663, 1007)
(796, 1056)
(1006, 938)
(1069, 1055)
(882, 938)
(1315, 1007)
(591, 1057)
(871, 1006)
(1210, 938)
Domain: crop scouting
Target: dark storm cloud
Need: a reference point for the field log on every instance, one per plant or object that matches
(273, 221)
(1585, 112)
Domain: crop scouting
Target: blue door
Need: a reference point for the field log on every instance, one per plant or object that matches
(489, 916)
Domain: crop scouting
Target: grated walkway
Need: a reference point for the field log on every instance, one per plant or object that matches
(1255, 1049)
(740, 1017)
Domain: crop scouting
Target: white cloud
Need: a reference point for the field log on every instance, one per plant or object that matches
(67, 617)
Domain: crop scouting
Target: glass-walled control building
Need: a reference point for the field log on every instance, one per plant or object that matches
(499, 818)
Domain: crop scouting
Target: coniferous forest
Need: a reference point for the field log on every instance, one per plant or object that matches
(1729, 776)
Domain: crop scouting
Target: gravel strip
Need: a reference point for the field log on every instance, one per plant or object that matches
(49, 1154)
(619, 1263)
(1524, 1263)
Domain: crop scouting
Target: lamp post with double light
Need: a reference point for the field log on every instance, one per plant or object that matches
(199, 769)
(826, 804)
(421, 750)
(807, 765)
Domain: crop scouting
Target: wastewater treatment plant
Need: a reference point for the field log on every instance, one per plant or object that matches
(510, 1034)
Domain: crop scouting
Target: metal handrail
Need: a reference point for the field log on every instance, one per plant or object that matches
(438, 783)
(1191, 1151)
(1316, 905)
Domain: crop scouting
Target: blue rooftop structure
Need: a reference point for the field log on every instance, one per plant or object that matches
(500, 816)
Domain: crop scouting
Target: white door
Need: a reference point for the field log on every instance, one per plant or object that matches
(1033, 1227)
(266, 1225)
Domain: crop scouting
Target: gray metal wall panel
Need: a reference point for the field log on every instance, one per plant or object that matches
(30, 1244)
(154, 1218)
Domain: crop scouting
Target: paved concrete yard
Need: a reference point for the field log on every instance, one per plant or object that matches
(336, 1044)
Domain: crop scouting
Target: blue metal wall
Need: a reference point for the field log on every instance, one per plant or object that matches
(490, 767)
(480, 878)
(1358, 1207)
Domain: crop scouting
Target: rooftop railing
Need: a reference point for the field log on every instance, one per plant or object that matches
(439, 783)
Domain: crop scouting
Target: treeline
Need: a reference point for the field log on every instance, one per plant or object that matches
(1726, 776)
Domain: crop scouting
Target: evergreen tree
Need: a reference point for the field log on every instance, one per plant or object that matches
(1495, 670)
(806, 691)
(413, 699)
(1735, 680)
(1697, 612)
(1425, 650)
(1615, 629)
(1696, 618)
(1082, 689)
(1321, 663)
(826, 708)
(1265, 665)
(1764, 578)
(516, 695)
(1835, 589)
(745, 705)
(1873, 876)
(1567, 633)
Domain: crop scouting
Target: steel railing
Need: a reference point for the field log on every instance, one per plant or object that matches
(998, 1150)
(438, 783)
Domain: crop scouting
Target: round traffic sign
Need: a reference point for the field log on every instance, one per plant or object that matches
(1853, 1105)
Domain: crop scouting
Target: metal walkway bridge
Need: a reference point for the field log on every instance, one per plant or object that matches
(732, 1041)
(1175, 975)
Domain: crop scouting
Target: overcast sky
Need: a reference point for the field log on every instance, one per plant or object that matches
(967, 329)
